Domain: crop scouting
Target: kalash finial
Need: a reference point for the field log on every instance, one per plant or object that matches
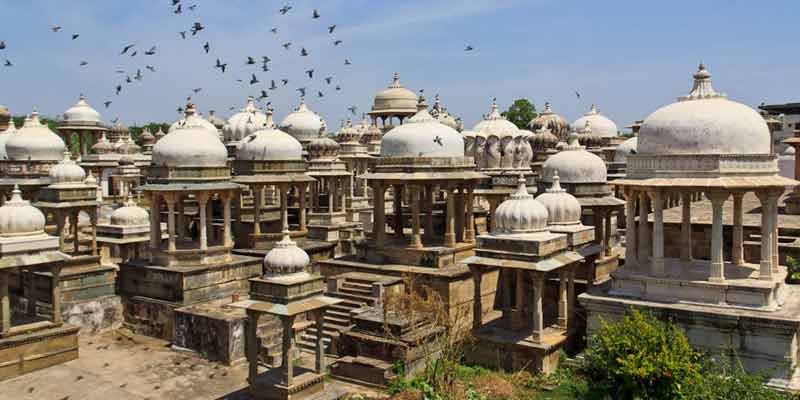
(395, 80)
(556, 186)
(702, 89)
(522, 189)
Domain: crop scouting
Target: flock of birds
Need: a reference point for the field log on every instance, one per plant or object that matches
(250, 66)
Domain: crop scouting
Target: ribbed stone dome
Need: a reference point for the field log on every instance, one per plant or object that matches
(601, 125)
(147, 138)
(285, 258)
(495, 124)
(245, 122)
(562, 207)
(269, 143)
(521, 213)
(19, 218)
(625, 148)
(190, 145)
(549, 120)
(130, 214)
(323, 147)
(67, 171)
(34, 142)
(441, 115)
(348, 133)
(704, 122)
(82, 114)
(574, 165)
(395, 97)
(4, 136)
(422, 136)
(303, 124)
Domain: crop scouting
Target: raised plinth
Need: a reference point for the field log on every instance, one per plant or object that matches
(37, 348)
(683, 283)
(515, 350)
(270, 385)
(397, 251)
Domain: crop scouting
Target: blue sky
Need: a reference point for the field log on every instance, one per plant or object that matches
(629, 57)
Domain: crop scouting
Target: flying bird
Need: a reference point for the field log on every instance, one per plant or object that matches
(138, 75)
(221, 66)
(84, 63)
(175, 2)
(2, 45)
(56, 28)
(287, 45)
(320, 94)
(315, 14)
(197, 27)
(206, 47)
(197, 90)
(337, 42)
(331, 28)
(178, 9)
(265, 67)
(302, 91)
(285, 82)
(192, 7)
(151, 68)
(128, 79)
(438, 140)
(347, 62)
(126, 48)
(303, 52)
(285, 9)
(274, 30)
(183, 34)
(250, 61)
(578, 95)
(353, 109)
(310, 73)
(75, 36)
(338, 88)
(151, 52)
(119, 71)
(8, 63)
(107, 103)
(134, 53)
(263, 95)
(119, 89)
(469, 48)
(253, 79)
(328, 80)
(265, 59)
(272, 85)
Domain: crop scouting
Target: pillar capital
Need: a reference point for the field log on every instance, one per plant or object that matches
(717, 197)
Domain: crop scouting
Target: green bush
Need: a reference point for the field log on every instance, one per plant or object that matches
(641, 357)
(726, 380)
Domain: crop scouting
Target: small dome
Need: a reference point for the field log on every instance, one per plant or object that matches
(422, 136)
(147, 138)
(704, 122)
(373, 134)
(269, 143)
(19, 218)
(218, 122)
(495, 124)
(574, 164)
(521, 213)
(103, 146)
(159, 134)
(130, 214)
(4, 136)
(789, 151)
(129, 147)
(562, 207)
(347, 133)
(542, 140)
(118, 130)
(190, 145)
(602, 126)
(82, 114)
(34, 142)
(245, 122)
(90, 180)
(395, 97)
(197, 121)
(625, 148)
(547, 119)
(323, 148)
(303, 124)
(286, 258)
(67, 171)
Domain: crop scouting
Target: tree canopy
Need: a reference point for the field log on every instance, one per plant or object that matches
(521, 112)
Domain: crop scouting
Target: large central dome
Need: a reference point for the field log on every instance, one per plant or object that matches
(704, 122)
(82, 114)
(269, 144)
(190, 145)
(422, 136)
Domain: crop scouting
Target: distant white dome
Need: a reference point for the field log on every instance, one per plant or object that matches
(303, 124)
(19, 218)
(395, 97)
(574, 165)
(245, 122)
(704, 122)
(218, 122)
(521, 213)
(601, 125)
(130, 214)
(190, 145)
(269, 143)
(67, 171)
(562, 207)
(422, 136)
(4, 136)
(196, 120)
(35, 142)
(82, 113)
(286, 258)
(790, 151)
(625, 149)
(494, 123)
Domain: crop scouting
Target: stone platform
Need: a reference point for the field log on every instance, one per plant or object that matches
(397, 251)
(515, 350)
(268, 385)
(39, 346)
(316, 249)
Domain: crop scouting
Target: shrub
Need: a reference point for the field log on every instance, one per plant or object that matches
(724, 379)
(641, 357)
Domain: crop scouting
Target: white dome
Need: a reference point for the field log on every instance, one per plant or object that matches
(67, 171)
(521, 213)
(19, 218)
(269, 143)
(245, 122)
(190, 145)
(218, 122)
(704, 122)
(286, 258)
(625, 148)
(35, 142)
(562, 207)
(422, 136)
(574, 165)
(395, 97)
(82, 113)
(441, 115)
(303, 124)
(495, 124)
(130, 214)
(4, 136)
(196, 121)
(601, 125)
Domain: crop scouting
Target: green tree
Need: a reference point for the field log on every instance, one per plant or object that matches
(521, 112)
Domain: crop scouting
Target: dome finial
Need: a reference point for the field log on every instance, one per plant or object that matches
(522, 189)
(556, 186)
(395, 81)
(16, 194)
(593, 110)
(422, 104)
(701, 89)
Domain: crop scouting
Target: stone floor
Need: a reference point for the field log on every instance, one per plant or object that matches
(122, 366)
(701, 213)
